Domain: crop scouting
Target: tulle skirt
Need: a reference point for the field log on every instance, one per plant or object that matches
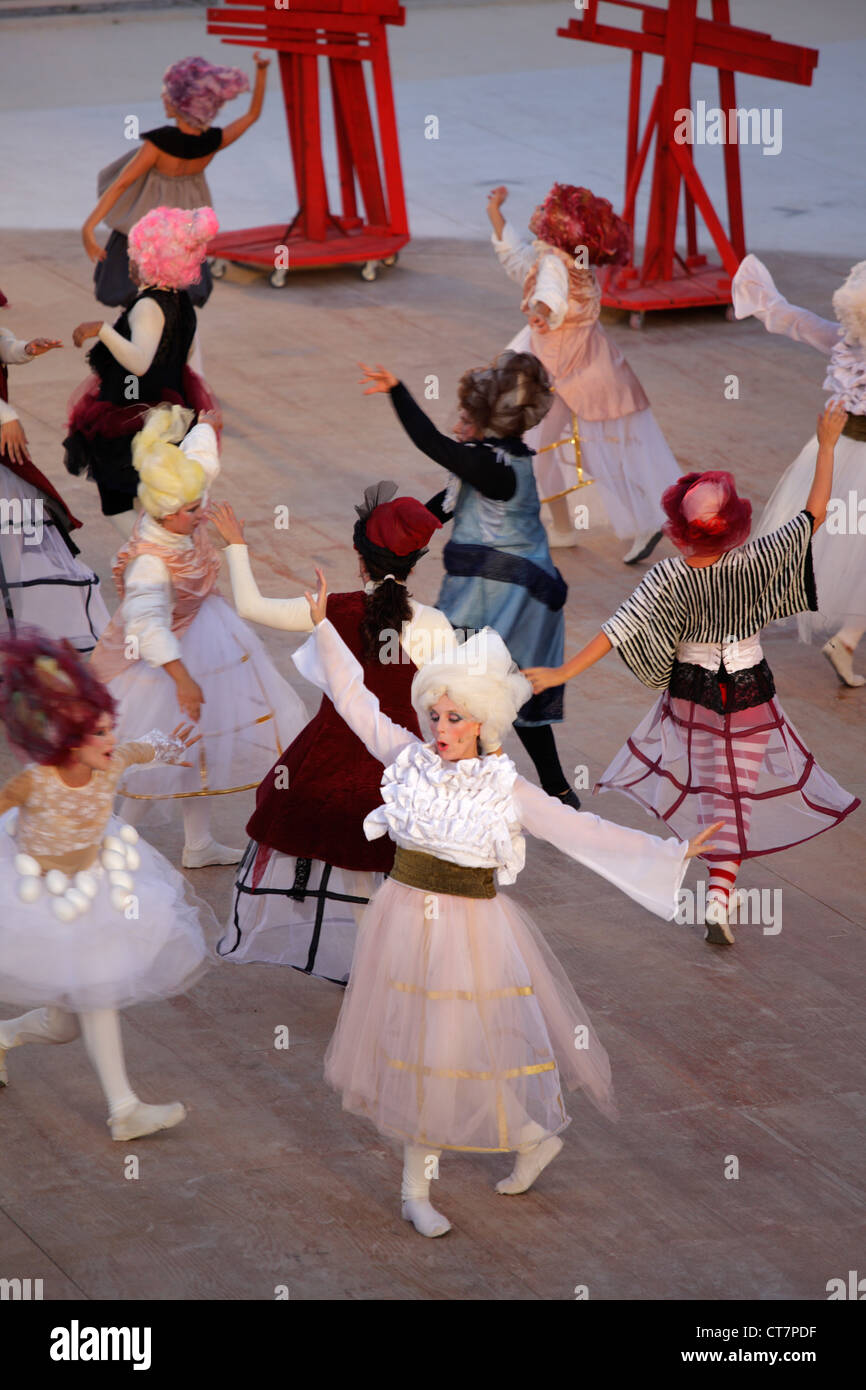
(839, 546)
(104, 959)
(749, 769)
(307, 920)
(45, 585)
(459, 1026)
(249, 715)
(629, 459)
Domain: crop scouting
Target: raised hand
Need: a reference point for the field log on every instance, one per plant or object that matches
(86, 330)
(319, 604)
(700, 842)
(222, 516)
(831, 422)
(381, 379)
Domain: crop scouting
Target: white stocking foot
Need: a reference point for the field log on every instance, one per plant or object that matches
(842, 661)
(425, 1218)
(211, 853)
(529, 1166)
(143, 1119)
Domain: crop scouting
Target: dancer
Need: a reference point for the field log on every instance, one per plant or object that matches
(92, 919)
(309, 871)
(41, 582)
(840, 550)
(717, 743)
(142, 360)
(621, 445)
(175, 645)
(498, 570)
(459, 1026)
(167, 170)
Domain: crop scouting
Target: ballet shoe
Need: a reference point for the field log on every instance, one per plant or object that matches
(146, 1119)
(569, 798)
(842, 661)
(211, 853)
(718, 931)
(642, 547)
(424, 1217)
(557, 539)
(529, 1166)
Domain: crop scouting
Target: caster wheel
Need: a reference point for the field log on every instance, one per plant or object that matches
(392, 260)
(635, 320)
(218, 268)
(370, 271)
(729, 314)
(278, 278)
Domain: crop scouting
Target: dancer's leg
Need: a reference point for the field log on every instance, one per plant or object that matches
(200, 848)
(37, 1026)
(415, 1191)
(540, 744)
(534, 1153)
(128, 1117)
(839, 651)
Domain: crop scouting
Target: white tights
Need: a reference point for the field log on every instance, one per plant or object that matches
(100, 1029)
(196, 822)
(850, 634)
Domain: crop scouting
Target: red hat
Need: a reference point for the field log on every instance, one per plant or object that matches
(706, 516)
(402, 526)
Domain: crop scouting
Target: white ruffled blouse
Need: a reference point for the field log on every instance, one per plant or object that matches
(461, 812)
(473, 812)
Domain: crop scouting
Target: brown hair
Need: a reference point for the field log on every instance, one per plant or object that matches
(508, 397)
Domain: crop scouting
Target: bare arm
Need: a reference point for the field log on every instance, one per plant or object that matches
(543, 677)
(237, 128)
(829, 428)
(135, 169)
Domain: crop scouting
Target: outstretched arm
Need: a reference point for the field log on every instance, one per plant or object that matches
(236, 129)
(326, 661)
(543, 677)
(290, 614)
(754, 293)
(830, 425)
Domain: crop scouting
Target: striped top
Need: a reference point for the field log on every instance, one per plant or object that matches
(754, 584)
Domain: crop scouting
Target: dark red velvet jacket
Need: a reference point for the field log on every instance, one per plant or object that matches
(333, 782)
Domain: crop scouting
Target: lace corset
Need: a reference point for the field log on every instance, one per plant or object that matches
(461, 812)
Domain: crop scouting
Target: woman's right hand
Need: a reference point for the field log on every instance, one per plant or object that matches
(319, 604)
(543, 677)
(190, 696)
(92, 246)
(13, 441)
(496, 198)
(381, 379)
(222, 515)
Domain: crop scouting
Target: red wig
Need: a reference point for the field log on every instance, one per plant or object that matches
(573, 217)
(49, 701)
(706, 516)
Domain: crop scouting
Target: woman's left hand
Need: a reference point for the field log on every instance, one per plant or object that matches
(13, 441)
(222, 516)
(184, 734)
(700, 843)
(262, 64)
(85, 331)
(543, 677)
(381, 379)
(319, 604)
(37, 346)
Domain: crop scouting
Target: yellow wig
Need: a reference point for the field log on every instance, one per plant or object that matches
(169, 479)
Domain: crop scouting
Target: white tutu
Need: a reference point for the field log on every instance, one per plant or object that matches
(56, 593)
(316, 934)
(103, 959)
(249, 716)
(839, 558)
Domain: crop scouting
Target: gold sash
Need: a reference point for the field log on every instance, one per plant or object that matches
(434, 875)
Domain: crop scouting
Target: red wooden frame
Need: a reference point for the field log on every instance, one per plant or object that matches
(346, 34)
(665, 279)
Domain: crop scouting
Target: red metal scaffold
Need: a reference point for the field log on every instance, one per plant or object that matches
(665, 279)
(347, 33)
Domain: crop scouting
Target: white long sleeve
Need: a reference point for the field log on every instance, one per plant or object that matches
(289, 614)
(515, 256)
(13, 351)
(147, 610)
(146, 322)
(325, 661)
(8, 413)
(551, 288)
(754, 293)
(644, 867)
(201, 444)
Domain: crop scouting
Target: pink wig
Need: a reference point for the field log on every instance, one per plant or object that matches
(49, 701)
(197, 89)
(169, 244)
(706, 516)
(571, 217)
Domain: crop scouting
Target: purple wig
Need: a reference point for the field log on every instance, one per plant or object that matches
(197, 89)
(49, 701)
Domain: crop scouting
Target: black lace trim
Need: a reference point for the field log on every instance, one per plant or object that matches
(742, 689)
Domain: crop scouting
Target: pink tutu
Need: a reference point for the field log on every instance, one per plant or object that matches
(91, 416)
(750, 769)
(459, 1026)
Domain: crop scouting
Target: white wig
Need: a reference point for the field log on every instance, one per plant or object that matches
(849, 304)
(483, 682)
